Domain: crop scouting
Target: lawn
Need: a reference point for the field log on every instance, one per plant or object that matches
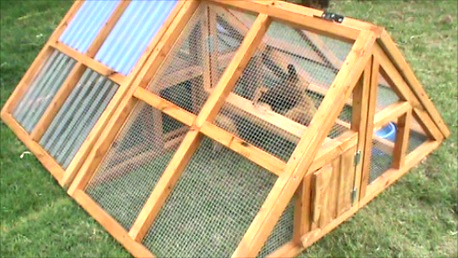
(417, 217)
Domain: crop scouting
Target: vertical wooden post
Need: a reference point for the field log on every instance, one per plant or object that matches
(366, 153)
(402, 139)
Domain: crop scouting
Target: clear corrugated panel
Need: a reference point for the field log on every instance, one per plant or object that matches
(211, 207)
(130, 37)
(134, 163)
(184, 78)
(282, 233)
(281, 89)
(77, 116)
(87, 23)
(42, 90)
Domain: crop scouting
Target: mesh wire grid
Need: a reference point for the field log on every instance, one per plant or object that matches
(382, 150)
(282, 233)
(285, 77)
(181, 78)
(417, 136)
(42, 90)
(77, 116)
(211, 206)
(134, 163)
(385, 94)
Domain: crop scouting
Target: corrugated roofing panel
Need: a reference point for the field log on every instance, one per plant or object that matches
(42, 90)
(77, 116)
(87, 23)
(132, 34)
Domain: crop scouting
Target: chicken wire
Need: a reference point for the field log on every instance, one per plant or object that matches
(385, 94)
(285, 77)
(382, 152)
(42, 90)
(195, 63)
(282, 233)
(77, 116)
(417, 136)
(134, 164)
(211, 207)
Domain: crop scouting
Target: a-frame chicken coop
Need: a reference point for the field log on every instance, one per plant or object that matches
(217, 128)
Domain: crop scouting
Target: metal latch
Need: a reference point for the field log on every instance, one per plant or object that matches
(332, 17)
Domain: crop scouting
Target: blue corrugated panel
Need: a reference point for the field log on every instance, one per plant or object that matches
(87, 23)
(132, 34)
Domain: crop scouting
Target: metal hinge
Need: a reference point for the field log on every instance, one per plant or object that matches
(353, 195)
(333, 17)
(357, 158)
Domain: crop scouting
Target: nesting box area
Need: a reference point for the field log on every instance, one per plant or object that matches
(218, 128)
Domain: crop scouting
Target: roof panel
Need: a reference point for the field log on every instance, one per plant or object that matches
(136, 28)
(87, 23)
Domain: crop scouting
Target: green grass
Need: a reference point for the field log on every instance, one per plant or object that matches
(417, 217)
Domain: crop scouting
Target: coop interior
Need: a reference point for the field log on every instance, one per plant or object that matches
(146, 188)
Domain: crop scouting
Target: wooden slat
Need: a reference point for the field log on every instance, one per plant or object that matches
(111, 225)
(320, 192)
(294, 15)
(107, 28)
(253, 153)
(96, 131)
(382, 183)
(334, 189)
(48, 162)
(290, 249)
(402, 139)
(57, 102)
(89, 62)
(191, 141)
(366, 151)
(303, 156)
(165, 106)
(303, 209)
(359, 118)
(122, 104)
(400, 62)
(23, 85)
(390, 113)
(346, 181)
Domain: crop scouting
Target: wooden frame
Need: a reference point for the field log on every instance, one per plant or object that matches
(86, 60)
(325, 175)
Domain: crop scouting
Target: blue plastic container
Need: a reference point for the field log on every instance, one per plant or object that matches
(388, 132)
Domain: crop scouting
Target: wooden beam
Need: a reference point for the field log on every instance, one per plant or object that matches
(252, 153)
(366, 151)
(302, 158)
(122, 104)
(41, 154)
(402, 139)
(111, 225)
(23, 85)
(390, 113)
(192, 140)
(290, 249)
(57, 101)
(395, 55)
(89, 62)
(165, 106)
(295, 16)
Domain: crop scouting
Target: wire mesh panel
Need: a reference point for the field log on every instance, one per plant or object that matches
(382, 150)
(282, 233)
(42, 90)
(77, 116)
(417, 136)
(280, 90)
(134, 164)
(211, 207)
(385, 94)
(186, 76)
